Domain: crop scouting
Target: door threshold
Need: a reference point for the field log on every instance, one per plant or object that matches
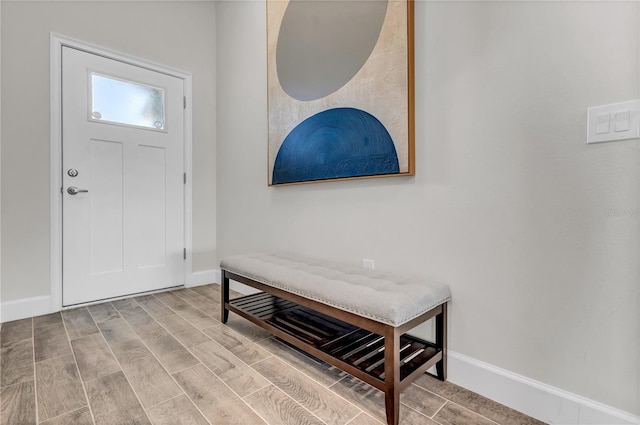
(124, 297)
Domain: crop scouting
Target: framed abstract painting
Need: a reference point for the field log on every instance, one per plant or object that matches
(340, 89)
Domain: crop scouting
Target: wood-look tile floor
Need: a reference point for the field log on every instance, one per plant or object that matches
(165, 359)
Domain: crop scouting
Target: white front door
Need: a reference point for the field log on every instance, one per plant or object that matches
(122, 175)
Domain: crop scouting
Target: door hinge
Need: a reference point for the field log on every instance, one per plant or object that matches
(185, 178)
(184, 99)
(184, 253)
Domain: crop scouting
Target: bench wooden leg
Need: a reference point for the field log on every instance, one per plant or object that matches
(392, 375)
(224, 298)
(441, 342)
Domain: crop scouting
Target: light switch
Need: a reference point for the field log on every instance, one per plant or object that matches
(602, 123)
(618, 121)
(623, 121)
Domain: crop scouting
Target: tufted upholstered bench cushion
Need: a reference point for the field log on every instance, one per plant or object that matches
(380, 296)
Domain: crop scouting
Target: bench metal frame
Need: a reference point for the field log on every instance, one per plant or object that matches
(392, 384)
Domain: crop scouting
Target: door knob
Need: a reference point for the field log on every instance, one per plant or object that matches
(72, 190)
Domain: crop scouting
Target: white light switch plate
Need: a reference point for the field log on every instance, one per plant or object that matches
(618, 121)
(368, 264)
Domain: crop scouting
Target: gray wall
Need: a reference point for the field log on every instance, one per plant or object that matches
(0, 160)
(535, 231)
(176, 34)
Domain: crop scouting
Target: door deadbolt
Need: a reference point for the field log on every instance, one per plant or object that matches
(72, 172)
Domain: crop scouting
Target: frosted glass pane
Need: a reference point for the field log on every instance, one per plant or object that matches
(125, 102)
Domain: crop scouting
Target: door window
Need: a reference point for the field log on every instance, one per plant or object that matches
(117, 101)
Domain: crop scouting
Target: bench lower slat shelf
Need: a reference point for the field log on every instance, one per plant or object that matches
(343, 342)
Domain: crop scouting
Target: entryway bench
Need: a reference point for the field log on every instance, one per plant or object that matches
(352, 318)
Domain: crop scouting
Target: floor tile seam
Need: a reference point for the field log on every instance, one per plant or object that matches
(198, 295)
(339, 380)
(190, 401)
(75, 362)
(33, 358)
(236, 394)
(297, 402)
(102, 321)
(223, 381)
(183, 317)
(86, 335)
(270, 354)
(447, 400)
(242, 337)
(370, 413)
(20, 381)
(269, 383)
(166, 303)
(163, 302)
(364, 413)
(165, 401)
(47, 326)
(35, 380)
(53, 357)
(154, 356)
(172, 333)
(338, 395)
(188, 367)
(196, 307)
(140, 335)
(135, 393)
(473, 410)
(438, 410)
(30, 318)
(286, 347)
(189, 302)
(202, 295)
(210, 340)
(2, 347)
(230, 352)
(153, 315)
(64, 321)
(66, 413)
(415, 410)
(263, 339)
(210, 299)
(120, 364)
(193, 324)
(256, 412)
(187, 395)
(313, 380)
(469, 410)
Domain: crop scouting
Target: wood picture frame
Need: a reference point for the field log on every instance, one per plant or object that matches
(340, 90)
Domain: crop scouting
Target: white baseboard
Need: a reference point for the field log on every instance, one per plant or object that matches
(25, 307)
(239, 287)
(541, 401)
(243, 289)
(203, 278)
(37, 306)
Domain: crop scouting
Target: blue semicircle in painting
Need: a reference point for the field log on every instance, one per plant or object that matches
(336, 143)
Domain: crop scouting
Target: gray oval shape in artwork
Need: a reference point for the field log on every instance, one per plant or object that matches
(323, 44)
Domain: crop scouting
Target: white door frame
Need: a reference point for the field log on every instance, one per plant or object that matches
(57, 41)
